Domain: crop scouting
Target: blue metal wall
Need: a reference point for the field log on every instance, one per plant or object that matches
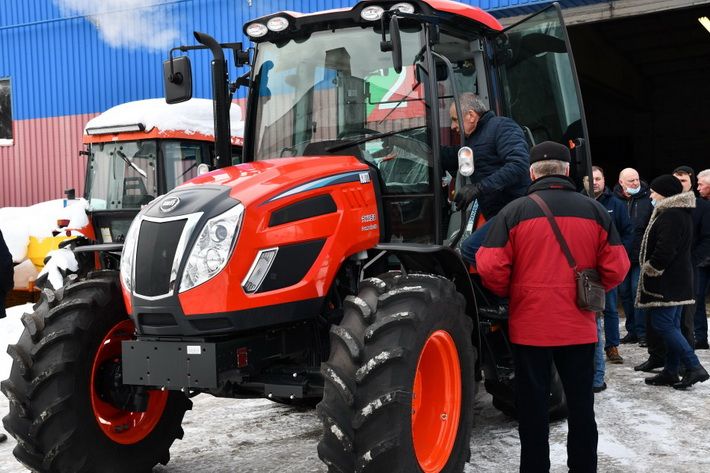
(60, 65)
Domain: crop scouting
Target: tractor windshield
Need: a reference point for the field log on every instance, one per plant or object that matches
(317, 95)
(122, 175)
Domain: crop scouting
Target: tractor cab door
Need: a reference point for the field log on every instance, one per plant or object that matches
(537, 84)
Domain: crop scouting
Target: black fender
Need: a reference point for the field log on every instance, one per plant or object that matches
(441, 260)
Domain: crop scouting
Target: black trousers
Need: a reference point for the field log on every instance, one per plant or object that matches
(575, 365)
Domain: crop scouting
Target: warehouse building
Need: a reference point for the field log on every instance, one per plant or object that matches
(643, 65)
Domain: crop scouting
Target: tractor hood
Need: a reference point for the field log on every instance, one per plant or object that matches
(271, 180)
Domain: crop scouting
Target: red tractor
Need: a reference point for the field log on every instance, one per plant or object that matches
(323, 268)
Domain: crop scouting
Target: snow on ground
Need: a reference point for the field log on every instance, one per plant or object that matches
(641, 428)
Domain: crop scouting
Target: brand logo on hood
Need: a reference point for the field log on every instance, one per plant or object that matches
(169, 203)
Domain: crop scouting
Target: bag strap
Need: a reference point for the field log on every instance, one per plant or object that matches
(555, 229)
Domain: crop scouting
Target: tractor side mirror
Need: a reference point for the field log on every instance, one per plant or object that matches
(177, 77)
(396, 40)
(394, 44)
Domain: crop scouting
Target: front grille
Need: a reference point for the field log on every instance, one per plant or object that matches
(157, 244)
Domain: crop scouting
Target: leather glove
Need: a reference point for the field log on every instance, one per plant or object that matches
(466, 195)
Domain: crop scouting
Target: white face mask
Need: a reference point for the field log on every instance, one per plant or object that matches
(633, 191)
(653, 202)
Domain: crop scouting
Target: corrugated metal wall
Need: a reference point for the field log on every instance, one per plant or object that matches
(63, 71)
(44, 160)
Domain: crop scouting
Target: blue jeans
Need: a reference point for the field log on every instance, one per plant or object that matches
(702, 283)
(599, 366)
(611, 320)
(470, 245)
(666, 321)
(635, 318)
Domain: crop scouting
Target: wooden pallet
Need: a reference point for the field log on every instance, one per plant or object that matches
(22, 296)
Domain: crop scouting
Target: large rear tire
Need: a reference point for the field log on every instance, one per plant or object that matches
(59, 412)
(399, 383)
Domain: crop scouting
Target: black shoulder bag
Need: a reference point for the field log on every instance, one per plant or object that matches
(590, 292)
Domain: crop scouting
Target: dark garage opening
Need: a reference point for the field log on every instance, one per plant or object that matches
(646, 87)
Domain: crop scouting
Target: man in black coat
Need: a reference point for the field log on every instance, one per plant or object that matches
(634, 193)
(666, 281)
(502, 163)
(694, 322)
(701, 257)
(6, 274)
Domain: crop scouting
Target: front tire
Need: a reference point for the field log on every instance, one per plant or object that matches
(59, 412)
(399, 383)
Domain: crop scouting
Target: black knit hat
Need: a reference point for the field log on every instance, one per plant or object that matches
(666, 185)
(549, 150)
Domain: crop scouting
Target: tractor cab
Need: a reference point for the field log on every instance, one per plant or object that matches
(377, 82)
(140, 150)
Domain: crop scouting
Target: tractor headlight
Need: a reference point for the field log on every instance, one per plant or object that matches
(277, 23)
(256, 30)
(128, 254)
(214, 245)
(403, 7)
(372, 13)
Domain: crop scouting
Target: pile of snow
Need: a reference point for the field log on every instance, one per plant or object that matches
(10, 330)
(60, 261)
(193, 116)
(40, 221)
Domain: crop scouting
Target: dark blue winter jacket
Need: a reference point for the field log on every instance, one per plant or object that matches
(701, 233)
(620, 216)
(501, 159)
(6, 274)
(640, 209)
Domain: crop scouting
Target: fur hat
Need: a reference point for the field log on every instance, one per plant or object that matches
(549, 150)
(666, 185)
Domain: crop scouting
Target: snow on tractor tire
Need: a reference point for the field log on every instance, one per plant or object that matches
(68, 409)
(399, 387)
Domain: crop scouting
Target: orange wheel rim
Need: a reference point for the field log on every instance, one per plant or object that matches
(436, 403)
(123, 427)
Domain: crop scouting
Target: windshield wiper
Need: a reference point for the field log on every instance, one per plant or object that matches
(130, 163)
(365, 139)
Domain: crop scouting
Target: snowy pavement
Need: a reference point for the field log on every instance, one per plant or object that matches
(641, 428)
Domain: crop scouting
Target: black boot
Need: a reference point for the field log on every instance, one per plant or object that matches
(692, 376)
(649, 365)
(664, 378)
(629, 338)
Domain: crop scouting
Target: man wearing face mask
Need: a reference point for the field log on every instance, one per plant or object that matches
(635, 194)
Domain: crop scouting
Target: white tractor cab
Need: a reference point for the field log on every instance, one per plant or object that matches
(142, 149)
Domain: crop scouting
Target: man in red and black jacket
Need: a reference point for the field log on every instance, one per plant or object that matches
(521, 259)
